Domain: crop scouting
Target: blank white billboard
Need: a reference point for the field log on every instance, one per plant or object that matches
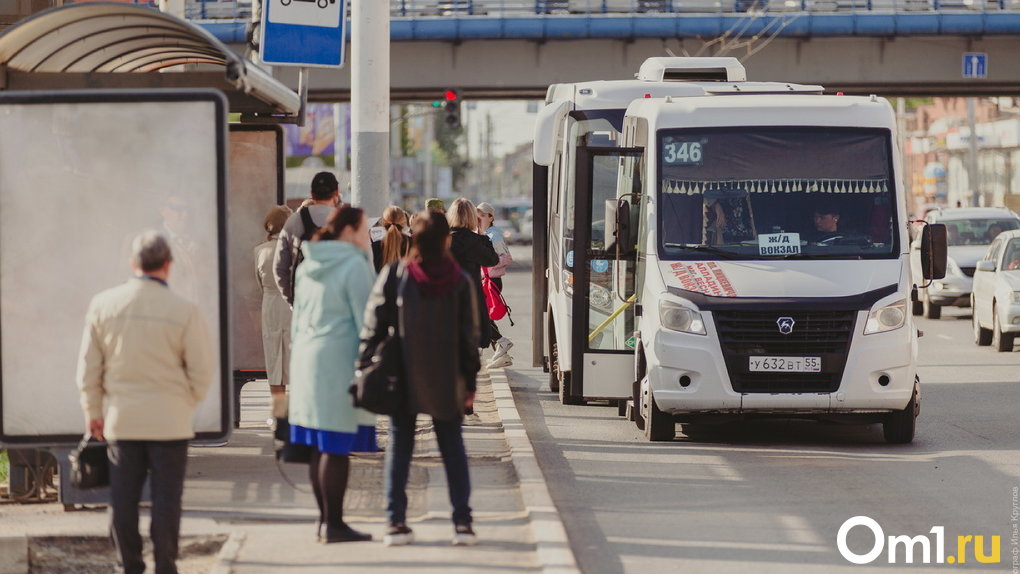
(81, 174)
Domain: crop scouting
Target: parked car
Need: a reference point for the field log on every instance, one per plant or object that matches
(509, 231)
(526, 230)
(970, 232)
(996, 296)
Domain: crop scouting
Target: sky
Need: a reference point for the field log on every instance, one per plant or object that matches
(512, 125)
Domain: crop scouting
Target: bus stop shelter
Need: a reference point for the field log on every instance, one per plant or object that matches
(126, 46)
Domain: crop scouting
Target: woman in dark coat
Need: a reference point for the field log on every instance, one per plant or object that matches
(430, 302)
(472, 250)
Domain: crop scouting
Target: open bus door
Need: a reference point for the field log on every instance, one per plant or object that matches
(539, 249)
(602, 313)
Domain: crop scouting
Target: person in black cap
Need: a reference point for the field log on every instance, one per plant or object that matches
(300, 227)
(826, 220)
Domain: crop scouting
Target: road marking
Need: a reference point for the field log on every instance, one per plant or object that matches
(739, 545)
(798, 530)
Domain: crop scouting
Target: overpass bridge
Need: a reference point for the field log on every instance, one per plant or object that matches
(515, 48)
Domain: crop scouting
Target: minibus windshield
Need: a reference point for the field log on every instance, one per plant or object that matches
(776, 192)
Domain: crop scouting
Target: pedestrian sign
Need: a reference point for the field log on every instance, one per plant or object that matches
(304, 33)
(975, 65)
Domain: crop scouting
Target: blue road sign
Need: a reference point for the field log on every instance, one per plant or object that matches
(975, 65)
(304, 33)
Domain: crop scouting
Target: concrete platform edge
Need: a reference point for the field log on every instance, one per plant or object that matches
(553, 548)
(14, 554)
(228, 553)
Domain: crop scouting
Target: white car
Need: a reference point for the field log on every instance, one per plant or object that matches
(970, 231)
(996, 296)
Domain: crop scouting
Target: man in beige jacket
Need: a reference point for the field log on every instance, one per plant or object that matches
(146, 356)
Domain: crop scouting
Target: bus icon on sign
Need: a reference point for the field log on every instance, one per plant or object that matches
(320, 3)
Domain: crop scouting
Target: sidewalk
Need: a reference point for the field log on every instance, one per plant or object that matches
(237, 491)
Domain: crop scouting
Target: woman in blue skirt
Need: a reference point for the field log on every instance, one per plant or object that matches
(332, 285)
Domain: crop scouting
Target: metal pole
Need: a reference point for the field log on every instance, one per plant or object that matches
(973, 177)
(428, 189)
(173, 7)
(370, 105)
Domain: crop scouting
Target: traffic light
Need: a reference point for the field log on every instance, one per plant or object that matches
(451, 109)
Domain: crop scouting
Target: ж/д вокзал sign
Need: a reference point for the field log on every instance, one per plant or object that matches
(304, 33)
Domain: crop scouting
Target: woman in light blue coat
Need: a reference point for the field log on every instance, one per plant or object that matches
(331, 289)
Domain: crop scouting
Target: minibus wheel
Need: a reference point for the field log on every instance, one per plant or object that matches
(931, 310)
(659, 426)
(899, 426)
(554, 365)
(640, 366)
(562, 378)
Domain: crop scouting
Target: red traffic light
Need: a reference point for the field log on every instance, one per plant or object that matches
(451, 96)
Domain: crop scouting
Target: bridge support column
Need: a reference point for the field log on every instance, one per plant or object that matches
(370, 106)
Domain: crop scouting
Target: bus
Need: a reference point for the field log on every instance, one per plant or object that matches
(730, 251)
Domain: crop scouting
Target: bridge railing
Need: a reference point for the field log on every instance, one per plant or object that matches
(510, 8)
(241, 9)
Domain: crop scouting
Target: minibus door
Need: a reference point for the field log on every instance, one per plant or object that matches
(602, 318)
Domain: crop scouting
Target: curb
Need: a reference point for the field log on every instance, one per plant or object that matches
(228, 553)
(14, 554)
(552, 546)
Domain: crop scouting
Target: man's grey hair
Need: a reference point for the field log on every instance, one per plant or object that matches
(150, 251)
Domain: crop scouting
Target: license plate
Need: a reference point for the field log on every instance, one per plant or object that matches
(786, 364)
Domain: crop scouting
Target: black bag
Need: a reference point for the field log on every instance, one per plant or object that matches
(309, 230)
(90, 466)
(290, 452)
(379, 385)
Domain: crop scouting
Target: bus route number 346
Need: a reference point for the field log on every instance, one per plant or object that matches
(683, 153)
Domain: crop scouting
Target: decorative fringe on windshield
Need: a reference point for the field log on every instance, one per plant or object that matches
(685, 187)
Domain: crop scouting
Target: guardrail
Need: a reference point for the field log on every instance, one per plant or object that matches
(411, 9)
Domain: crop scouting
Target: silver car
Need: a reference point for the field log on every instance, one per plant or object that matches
(970, 232)
(996, 296)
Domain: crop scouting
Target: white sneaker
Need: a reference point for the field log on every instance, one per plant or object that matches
(464, 535)
(497, 362)
(503, 347)
(398, 535)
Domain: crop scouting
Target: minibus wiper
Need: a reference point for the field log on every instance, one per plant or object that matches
(821, 256)
(705, 248)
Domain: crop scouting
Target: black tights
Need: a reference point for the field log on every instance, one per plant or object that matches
(328, 474)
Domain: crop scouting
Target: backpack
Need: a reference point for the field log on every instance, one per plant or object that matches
(494, 301)
(309, 230)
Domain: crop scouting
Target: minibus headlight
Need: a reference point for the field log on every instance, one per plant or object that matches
(1016, 296)
(887, 318)
(679, 318)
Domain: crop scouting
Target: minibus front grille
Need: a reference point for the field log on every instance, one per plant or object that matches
(825, 334)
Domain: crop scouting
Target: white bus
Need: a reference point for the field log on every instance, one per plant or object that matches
(727, 256)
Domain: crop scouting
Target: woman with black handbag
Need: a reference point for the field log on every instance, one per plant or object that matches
(332, 287)
(431, 303)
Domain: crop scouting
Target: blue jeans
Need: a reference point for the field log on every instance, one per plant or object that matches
(163, 463)
(398, 466)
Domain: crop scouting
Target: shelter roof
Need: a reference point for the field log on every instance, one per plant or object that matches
(122, 46)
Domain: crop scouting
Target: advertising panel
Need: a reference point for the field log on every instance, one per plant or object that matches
(82, 174)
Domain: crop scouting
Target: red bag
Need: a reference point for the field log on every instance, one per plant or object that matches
(494, 301)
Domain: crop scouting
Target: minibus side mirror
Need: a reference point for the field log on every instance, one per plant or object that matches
(618, 236)
(934, 251)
